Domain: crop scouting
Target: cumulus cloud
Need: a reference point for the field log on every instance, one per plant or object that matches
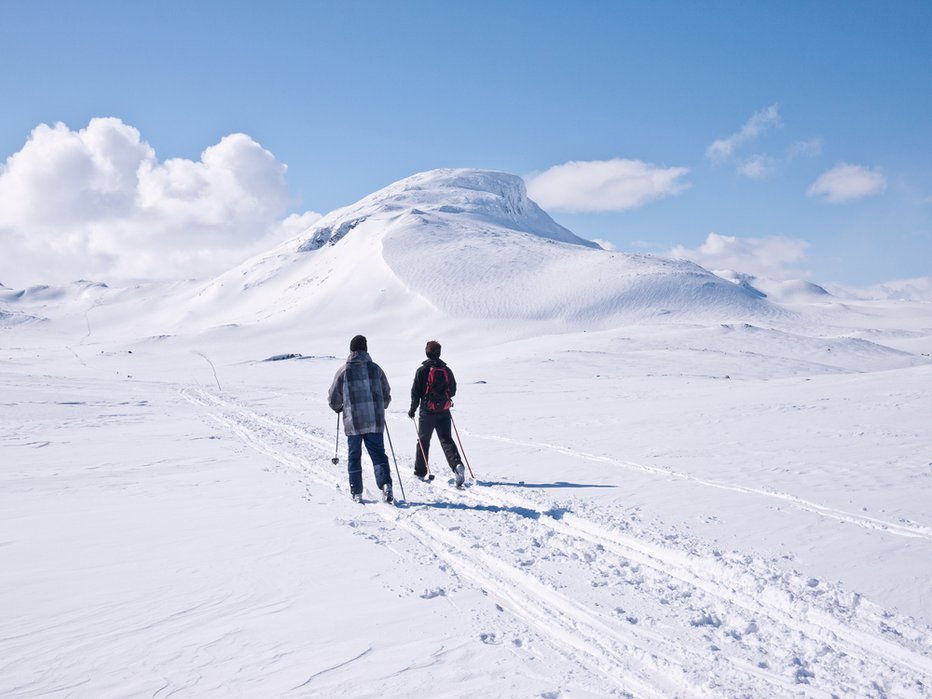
(773, 257)
(724, 148)
(846, 182)
(604, 185)
(97, 203)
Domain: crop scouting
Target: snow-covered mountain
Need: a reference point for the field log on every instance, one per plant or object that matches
(468, 244)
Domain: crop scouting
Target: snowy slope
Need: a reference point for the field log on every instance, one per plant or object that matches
(780, 290)
(34, 303)
(682, 488)
(9, 318)
(462, 244)
(670, 510)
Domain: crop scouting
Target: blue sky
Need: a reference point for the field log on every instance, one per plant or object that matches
(820, 110)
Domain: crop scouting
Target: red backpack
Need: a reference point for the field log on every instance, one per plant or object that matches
(437, 391)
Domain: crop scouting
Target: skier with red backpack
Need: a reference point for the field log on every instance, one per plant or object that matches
(434, 385)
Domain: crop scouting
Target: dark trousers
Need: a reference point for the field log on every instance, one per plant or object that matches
(427, 423)
(375, 445)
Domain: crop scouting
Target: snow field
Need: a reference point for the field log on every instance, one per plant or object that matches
(683, 488)
(778, 630)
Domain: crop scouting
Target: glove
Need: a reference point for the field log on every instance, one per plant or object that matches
(411, 413)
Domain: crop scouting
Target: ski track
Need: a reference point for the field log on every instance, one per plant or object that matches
(854, 650)
(689, 569)
(910, 530)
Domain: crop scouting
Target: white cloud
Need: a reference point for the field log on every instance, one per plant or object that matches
(774, 257)
(606, 244)
(604, 185)
(846, 182)
(97, 203)
(723, 148)
(917, 289)
(806, 149)
(758, 167)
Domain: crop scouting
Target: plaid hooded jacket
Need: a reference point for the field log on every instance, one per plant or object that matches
(361, 391)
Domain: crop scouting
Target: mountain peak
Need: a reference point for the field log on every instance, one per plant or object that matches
(499, 198)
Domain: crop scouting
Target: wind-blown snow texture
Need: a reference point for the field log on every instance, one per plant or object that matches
(685, 485)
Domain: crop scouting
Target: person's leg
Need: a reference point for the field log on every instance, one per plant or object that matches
(420, 466)
(354, 462)
(446, 441)
(375, 445)
(425, 427)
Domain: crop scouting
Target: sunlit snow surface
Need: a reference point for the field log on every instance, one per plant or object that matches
(682, 487)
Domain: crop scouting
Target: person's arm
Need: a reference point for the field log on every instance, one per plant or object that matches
(386, 389)
(452, 382)
(416, 391)
(335, 395)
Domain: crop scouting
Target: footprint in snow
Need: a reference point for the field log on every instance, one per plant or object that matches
(433, 592)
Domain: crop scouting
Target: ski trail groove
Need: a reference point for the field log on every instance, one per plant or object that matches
(566, 625)
(911, 531)
(573, 629)
(528, 599)
(816, 624)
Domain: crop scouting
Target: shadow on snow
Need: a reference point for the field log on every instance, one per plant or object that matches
(558, 484)
(527, 512)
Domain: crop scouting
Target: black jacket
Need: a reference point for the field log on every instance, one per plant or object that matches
(419, 387)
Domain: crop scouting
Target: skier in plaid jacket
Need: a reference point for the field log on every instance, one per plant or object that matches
(361, 392)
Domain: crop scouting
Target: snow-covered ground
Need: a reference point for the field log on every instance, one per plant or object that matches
(682, 487)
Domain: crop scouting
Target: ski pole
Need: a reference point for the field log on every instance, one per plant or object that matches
(397, 472)
(465, 458)
(336, 446)
(430, 476)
